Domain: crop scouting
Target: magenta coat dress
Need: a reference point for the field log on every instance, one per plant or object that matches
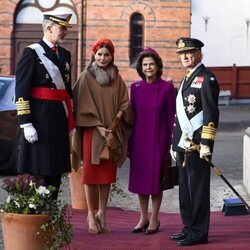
(149, 144)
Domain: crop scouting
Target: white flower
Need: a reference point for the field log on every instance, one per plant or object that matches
(17, 204)
(32, 183)
(32, 206)
(42, 190)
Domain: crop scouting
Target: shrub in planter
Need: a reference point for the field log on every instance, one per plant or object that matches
(27, 198)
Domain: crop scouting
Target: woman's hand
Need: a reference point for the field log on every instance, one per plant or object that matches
(114, 125)
(103, 131)
(109, 137)
(110, 141)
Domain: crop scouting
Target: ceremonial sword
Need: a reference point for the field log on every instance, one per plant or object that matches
(195, 147)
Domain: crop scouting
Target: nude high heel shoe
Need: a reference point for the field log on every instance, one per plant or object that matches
(102, 225)
(93, 227)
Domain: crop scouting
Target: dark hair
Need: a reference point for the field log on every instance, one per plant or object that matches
(157, 60)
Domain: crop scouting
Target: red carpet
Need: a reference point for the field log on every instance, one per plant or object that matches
(226, 232)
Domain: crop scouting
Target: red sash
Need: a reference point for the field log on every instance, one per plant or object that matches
(56, 95)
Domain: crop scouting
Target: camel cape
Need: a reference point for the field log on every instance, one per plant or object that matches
(98, 105)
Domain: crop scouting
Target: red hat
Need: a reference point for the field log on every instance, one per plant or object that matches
(101, 42)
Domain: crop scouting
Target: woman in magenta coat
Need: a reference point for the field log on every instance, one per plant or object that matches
(153, 102)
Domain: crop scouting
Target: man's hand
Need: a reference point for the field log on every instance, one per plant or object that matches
(173, 153)
(204, 151)
(30, 133)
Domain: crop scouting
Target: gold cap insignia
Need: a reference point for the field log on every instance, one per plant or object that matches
(181, 44)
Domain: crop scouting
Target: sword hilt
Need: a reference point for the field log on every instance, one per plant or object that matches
(192, 147)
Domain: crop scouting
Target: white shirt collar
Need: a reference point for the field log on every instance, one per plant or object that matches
(50, 44)
(192, 70)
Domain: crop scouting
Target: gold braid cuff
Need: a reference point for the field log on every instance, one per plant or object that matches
(208, 132)
(23, 107)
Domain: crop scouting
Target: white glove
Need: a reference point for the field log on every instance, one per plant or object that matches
(173, 153)
(204, 151)
(30, 133)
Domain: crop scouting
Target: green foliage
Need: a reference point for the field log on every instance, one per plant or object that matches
(116, 190)
(26, 197)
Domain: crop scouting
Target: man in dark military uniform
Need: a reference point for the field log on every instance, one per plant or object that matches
(197, 117)
(43, 100)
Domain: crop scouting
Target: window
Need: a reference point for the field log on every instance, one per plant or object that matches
(136, 36)
(30, 11)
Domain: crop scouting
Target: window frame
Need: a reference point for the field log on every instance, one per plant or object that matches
(136, 38)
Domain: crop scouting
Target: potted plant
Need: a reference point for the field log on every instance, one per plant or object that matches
(47, 220)
(77, 190)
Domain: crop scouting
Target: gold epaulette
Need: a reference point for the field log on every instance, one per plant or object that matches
(208, 132)
(23, 107)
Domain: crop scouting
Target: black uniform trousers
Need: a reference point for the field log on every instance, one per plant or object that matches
(194, 195)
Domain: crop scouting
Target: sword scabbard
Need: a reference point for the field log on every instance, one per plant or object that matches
(195, 147)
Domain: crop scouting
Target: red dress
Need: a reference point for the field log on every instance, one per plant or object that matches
(105, 173)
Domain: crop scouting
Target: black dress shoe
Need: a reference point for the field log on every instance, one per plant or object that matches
(179, 236)
(153, 231)
(140, 229)
(190, 242)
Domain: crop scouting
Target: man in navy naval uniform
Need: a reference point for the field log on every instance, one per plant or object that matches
(43, 100)
(197, 117)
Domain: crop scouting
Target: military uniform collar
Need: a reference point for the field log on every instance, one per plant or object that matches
(192, 70)
(50, 44)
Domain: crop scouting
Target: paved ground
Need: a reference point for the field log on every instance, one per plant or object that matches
(234, 120)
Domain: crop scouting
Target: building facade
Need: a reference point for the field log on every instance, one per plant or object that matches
(224, 26)
(130, 24)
